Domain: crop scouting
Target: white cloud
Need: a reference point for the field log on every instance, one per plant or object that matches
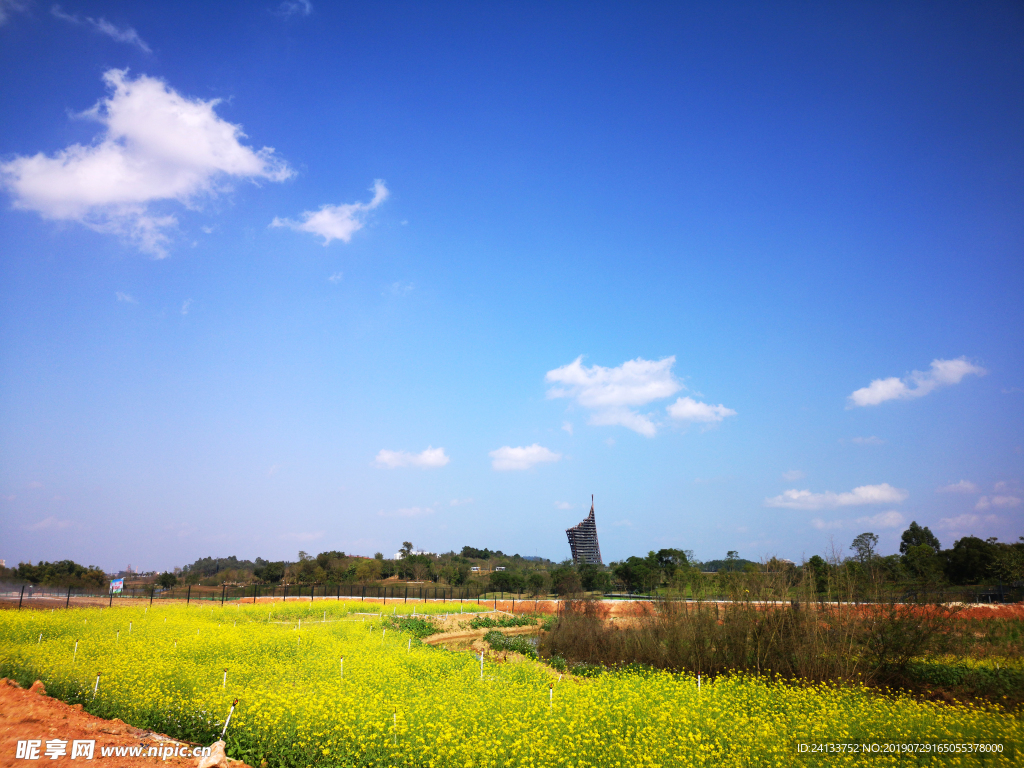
(101, 25)
(460, 502)
(890, 519)
(872, 440)
(156, 146)
(824, 525)
(126, 297)
(793, 474)
(567, 427)
(508, 458)
(408, 512)
(942, 373)
(962, 522)
(1001, 502)
(964, 486)
(612, 393)
(429, 458)
(295, 8)
(336, 222)
(688, 409)
(336, 277)
(563, 505)
(48, 524)
(623, 523)
(865, 494)
(185, 306)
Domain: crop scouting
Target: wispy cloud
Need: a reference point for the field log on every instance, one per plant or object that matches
(460, 502)
(156, 146)
(407, 512)
(336, 277)
(865, 494)
(185, 306)
(793, 474)
(7, 7)
(999, 502)
(942, 373)
(429, 458)
(48, 524)
(963, 523)
(302, 535)
(336, 222)
(567, 427)
(101, 25)
(564, 505)
(400, 289)
(508, 458)
(964, 486)
(890, 519)
(870, 440)
(126, 297)
(688, 409)
(826, 525)
(295, 8)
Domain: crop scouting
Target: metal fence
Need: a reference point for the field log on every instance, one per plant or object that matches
(36, 596)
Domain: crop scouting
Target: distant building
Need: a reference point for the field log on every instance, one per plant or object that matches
(583, 540)
(400, 555)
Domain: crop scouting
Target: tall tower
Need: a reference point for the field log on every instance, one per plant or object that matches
(583, 540)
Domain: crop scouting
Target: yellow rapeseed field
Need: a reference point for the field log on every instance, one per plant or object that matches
(396, 702)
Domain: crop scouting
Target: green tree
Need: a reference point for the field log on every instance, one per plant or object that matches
(166, 580)
(864, 547)
(917, 535)
(535, 581)
(970, 560)
(921, 561)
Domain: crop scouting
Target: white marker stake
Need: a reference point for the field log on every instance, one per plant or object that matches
(96, 687)
(40, 638)
(698, 683)
(118, 636)
(226, 722)
(481, 665)
(382, 635)
(300, 623)
(325, 617)
(407, 650)
(342, 665)
(551, 694)
(224, 685)
(129, 627)
(396, 726)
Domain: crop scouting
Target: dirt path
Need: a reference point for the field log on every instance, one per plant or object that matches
(31, 715)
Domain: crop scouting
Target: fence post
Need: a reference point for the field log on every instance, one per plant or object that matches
(68, 603)
(223, 588)
(312, 591)
(111, 603)
(188, 595)
(362, 596)
(22, 596)
(152, 590)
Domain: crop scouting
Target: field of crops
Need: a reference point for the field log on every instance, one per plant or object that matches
(396, 702)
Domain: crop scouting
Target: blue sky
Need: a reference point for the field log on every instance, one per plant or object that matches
(334, 276)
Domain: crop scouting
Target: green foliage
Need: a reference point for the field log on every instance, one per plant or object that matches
(970, 560)
(166, 580)
(517, 643)
(535, 583)
(486, 622)
(481, 554)
(915, 536)
(62, 573)
(269, 573)
(416, 626)
(507, 581)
